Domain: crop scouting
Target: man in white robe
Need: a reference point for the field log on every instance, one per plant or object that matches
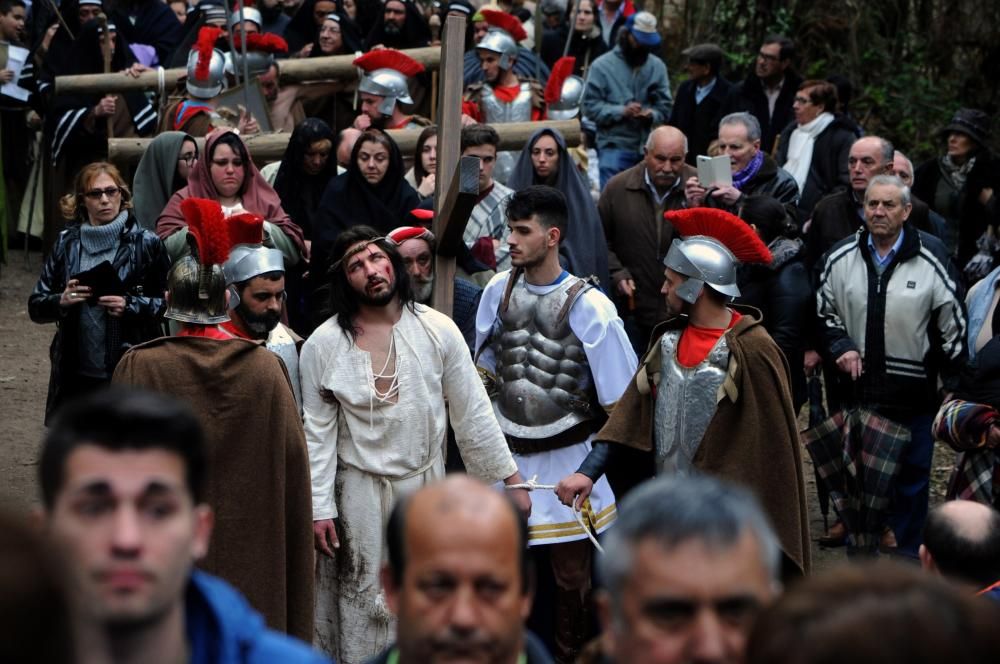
(375, 380)
(556, 355)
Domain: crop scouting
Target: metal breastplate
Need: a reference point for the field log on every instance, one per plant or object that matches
(685, 403)
(282, 345)
(544, 385)
(496, 111)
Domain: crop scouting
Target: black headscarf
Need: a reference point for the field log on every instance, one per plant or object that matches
(415, 34)
(349, 200)
(300, 192)
(58, 61)
(350, 35)
(302, 28)
(584, 251)
(980, 380)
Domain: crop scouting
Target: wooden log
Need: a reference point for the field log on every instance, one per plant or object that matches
(295, 70)
(265, 148)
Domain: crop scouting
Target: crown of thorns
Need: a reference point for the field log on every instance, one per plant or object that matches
(353, 252)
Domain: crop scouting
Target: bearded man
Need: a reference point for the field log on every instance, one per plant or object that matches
(375, 378)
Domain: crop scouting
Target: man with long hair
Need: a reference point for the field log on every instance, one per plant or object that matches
(375, 379)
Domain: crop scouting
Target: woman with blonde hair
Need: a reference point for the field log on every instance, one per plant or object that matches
(103, 285)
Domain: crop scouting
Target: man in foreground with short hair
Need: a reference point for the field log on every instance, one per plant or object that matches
(962, 543)
(686, 569)
(458, 577)
(121, 477)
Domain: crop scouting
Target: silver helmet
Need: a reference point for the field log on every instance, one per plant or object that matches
(258, 62)
(251, 14)
(387, 83)
(499, 41)
(247, 261)
(704, 261)
(186, 304)
(570, 99)
(211, 86)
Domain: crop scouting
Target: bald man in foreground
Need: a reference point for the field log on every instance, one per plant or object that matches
(457, 577)
(962, 543)
(631, 209)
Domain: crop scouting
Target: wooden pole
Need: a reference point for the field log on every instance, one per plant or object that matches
(102, 21)
(290, 71)
(270, 147)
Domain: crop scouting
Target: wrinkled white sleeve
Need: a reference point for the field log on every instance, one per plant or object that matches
(477, 432)
(486, 317)
(319, 419)
(612, 359)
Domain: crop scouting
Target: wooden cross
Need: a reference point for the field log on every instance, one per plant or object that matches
(456, 187)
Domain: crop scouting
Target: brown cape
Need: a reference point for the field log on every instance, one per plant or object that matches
(257, 469)
(753, 438)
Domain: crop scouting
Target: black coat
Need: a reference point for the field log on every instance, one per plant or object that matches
(784, 294)
(748, 95)
(828, 169)
(141, 263)
(585, 48)
(974, 217)
(699, 122)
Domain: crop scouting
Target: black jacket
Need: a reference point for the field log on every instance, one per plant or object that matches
(828, 169)
(141, 263)
(748, 95)
(783, 293)
(699, 122)
(534, 652)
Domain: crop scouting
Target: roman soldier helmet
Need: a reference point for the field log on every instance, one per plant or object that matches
(249, 13)
(564, 91)
(196, 283)
(385, 75)
(248, 257)
(205, 65)
(715, 243)
(503, 36)
(261, 48)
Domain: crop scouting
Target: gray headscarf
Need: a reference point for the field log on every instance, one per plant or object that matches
(584, 252)
(154, 178)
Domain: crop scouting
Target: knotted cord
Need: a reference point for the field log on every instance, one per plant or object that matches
(533, 485)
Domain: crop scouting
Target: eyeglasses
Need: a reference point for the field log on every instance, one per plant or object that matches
(802, 100)
(767, 56)
(95, 194)
(188, 158)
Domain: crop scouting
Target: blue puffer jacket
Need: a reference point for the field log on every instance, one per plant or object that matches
(611, 85)
(222, 628)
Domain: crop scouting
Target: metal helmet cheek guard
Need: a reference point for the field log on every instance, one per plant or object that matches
(186, 304)
(704, 261)
(387, 83)
(500, 42)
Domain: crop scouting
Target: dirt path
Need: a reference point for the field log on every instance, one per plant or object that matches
(24, 376)
(24, 379)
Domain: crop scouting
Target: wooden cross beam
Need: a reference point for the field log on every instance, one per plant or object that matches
(450, 203)
(265, 148)
(295, 70)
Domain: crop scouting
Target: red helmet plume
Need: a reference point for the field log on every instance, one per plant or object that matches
(730, 230)
(388, 58)
(246, 228)
(207, 37)
(208, 228)
(262, 42)
(506, 22)
(561, 70)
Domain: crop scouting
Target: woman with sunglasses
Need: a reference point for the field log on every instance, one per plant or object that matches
(102, 284)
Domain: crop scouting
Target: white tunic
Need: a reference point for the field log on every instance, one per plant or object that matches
(612, 361)
(363, 452)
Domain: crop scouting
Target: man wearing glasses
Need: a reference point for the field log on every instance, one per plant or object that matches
(768, 93)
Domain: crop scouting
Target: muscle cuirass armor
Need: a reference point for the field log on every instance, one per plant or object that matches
(685, 403)
(544, 384)
(496, 112)
(281, 344)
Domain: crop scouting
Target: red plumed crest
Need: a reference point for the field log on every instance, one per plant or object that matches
(561, 70)
(208, 227)
(423, 215)
(207, 37)
(506, 22)
(727, 228)
(262, 42)
(246, 228)
(388, 58)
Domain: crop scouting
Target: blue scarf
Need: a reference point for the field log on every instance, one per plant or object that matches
(741, 177)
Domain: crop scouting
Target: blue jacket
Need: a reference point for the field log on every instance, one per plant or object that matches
(222, 628)
(611, 85)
